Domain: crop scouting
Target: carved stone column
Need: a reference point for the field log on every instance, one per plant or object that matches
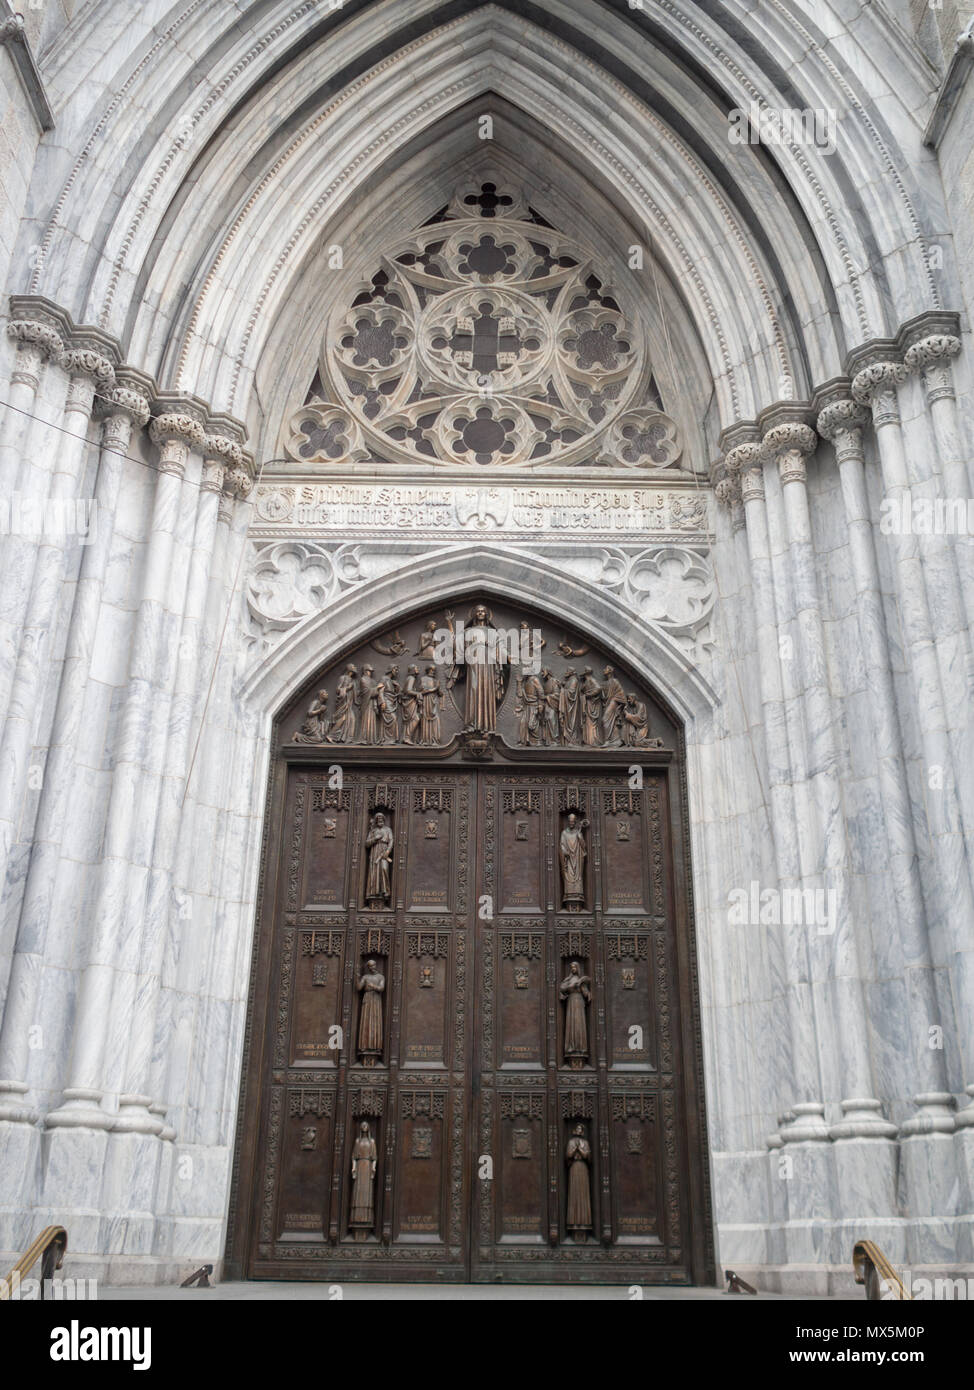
(875, 384)
(745, 462)
(42, 569)
(218, 762)
(788, 442)
(126, 405)
(930, 355)
(175, 434)
(220, 454)
(928, 1173)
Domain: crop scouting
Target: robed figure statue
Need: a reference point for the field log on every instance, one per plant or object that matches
(578, 1156)
(481, 670)
(371, 986)
(571, 854)
(364, 1156)
(379, 843)
(575, 992)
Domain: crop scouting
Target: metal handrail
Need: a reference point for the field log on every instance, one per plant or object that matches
(873, 1269)
(49, 1247)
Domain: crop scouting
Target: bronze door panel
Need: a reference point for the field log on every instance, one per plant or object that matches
(473, 1059)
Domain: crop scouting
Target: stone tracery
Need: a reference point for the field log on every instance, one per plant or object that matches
(485, 338)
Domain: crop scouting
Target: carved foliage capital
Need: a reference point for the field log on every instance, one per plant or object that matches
(221, 447)
(123, 400)
(744, 456)
(841, 418)
(174, 426)
(37, 336)
(238, 482)
(938, 347)
(89, 364)
(788, 445)
(877, 380)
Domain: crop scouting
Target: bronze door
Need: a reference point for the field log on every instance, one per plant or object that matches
(577, 1054)
(503, 1007)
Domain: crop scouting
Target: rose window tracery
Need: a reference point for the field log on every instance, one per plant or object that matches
(485, 338)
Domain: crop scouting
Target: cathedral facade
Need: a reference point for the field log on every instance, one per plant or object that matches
(487, 638)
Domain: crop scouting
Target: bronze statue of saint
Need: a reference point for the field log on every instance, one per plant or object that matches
(480, 671)
(409, 703)
(315, 726)
(430, 694)
(385, 708)
(575, 992)
(552, 701)
(364, 1163)
(591, 696)
(371, 987)
(346, 700)
(379, 844)
(578, 1156)
(529, 710)
(571, 854)
(569, 708)
(613, 704)
(369, 730)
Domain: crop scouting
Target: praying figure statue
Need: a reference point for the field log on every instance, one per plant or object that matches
(575, 992)
(364, 1164)
(315, 726)
(371, 987)
(578, 1156)
(379, 844)
(571, 854)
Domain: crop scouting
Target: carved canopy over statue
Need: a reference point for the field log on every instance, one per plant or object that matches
(494, 676)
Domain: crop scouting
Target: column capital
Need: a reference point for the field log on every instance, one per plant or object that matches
(931, 357)
(38, 340)
(175, 425)
(744, 456)
(788, 444)
(876, 370)
(840, 417)
(40, 332)
(175, 433)
(126, 398)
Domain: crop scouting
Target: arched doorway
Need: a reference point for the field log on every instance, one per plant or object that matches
(473, 1034)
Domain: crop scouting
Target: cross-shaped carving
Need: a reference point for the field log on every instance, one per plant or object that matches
(488, 200)
(485, 343)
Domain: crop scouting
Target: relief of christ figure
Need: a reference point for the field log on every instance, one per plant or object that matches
(480, 670)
